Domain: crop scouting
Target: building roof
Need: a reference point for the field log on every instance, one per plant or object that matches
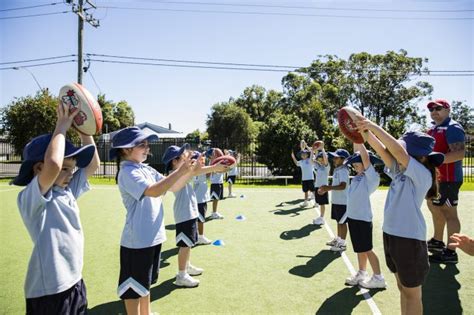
(150, 128)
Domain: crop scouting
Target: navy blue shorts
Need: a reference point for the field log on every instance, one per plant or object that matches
(321, 199)
(186, 233)
(448, 194)
(202, 208)
(139, 268)
(337, 212)
(231, 179)
(72, 301)
(217, 191)
(307, 185)
(361, 235)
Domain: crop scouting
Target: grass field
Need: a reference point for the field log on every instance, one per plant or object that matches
(274, 262)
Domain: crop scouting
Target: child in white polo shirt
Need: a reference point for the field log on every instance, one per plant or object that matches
(359, 216)
(411, 164)
(202, 197)
(307, 176)
(322, 168)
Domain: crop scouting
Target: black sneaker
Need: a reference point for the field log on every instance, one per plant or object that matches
(444, 257)
(435, 246)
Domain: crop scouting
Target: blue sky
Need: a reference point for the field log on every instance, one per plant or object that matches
(184, 96)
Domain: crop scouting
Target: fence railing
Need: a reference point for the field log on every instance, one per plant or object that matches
(250, 171)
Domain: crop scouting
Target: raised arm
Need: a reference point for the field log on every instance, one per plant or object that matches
(161, 187)
(95, 162)
(294, 158)
(364, 155)
(378, 145)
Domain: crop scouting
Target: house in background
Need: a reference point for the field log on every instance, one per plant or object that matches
(161, 132)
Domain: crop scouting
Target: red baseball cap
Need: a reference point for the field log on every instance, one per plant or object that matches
(438, 102)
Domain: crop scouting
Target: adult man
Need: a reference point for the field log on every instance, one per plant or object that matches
(449, 136)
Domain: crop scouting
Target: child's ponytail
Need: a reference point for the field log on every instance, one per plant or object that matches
(433, 192)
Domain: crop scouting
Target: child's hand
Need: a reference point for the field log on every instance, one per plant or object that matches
(65, 116)
(363, 124)
(323, 189)
(221, 168)
(463, 242)
(292, 154)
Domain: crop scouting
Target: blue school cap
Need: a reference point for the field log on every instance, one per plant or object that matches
(35, 150)
(128, 138)
(342, 153)
(420, 144)
(173, 152)
(356, 158)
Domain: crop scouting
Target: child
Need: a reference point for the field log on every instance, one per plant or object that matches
(307, 178)
(49, 211)
(359, 217)
(411, 163)
(340, 186)
(322, 168)
(202, 197)
(141, 188)
(186, 212)
(217, 185)
(234, 171)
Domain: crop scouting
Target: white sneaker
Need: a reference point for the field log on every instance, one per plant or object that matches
(231, 196)
(332, 242)
(356, 279)
(194, 271)
(202, 240)
(186, 281)
(374, 283)
(216, 216)
(339, 247)
(319, 221)
(304, 204)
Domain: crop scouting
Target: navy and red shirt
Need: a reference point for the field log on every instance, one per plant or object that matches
(446, 133)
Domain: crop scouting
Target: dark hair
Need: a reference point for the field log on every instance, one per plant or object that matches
(120, 155)
(433, 192)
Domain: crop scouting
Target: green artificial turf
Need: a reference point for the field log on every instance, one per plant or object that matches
(274, 262)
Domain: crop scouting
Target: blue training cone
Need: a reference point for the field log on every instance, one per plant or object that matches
(218, 243)
(240, 217)
(242, 196)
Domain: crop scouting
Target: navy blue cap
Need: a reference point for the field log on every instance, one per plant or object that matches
(128, 138)
(342, 153)
(196, 155)
(209, 153)
(320, 154)
(35, 150)
(420, 144)
(356, 158)
(173, 152)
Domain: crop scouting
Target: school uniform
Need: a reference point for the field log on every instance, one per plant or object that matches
(217, 186)
(404, 227)
(322, 175)
(185, 210)
(307, 175)
(53, 283)
(339, 197)
(359, 209)
(143, 233)
(202, 195)
(232, 175)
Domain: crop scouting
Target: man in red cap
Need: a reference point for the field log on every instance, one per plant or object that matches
(449, 139)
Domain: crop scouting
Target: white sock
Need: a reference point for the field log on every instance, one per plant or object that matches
(342, 242)
(182, 273)
(378, 277)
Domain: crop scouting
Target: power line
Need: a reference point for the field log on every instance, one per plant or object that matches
(288, 14)
(32, 15)
(30, 7)
(39, 64)
(305, 7)
(38, 59)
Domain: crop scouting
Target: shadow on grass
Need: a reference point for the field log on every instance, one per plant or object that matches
(343, 301)
(168, 254)
(170, 227)
(117, 307)
(315, 264)
(302, 232)
(289, 203)
(294, 211)
(440, 291)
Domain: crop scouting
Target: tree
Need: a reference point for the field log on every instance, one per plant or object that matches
(230, 126)
(278, 138)
(257, 102)
(30, 116)
(196, 136)
(464, 115)
(115, 115)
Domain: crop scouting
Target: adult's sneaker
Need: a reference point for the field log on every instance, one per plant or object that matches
(435, 246)
(194, 271)
(318, 221)
(216, 216)
(444, 257)
(203, 240)
(374, 283)
(186, 281)
(357, 278)
(332, 242)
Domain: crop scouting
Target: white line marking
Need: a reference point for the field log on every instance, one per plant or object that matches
(347, 262)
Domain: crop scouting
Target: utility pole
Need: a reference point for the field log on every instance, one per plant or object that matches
(82, 16)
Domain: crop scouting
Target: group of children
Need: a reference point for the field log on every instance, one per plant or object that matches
(48, 207)
(411, 164)
(49, 210)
